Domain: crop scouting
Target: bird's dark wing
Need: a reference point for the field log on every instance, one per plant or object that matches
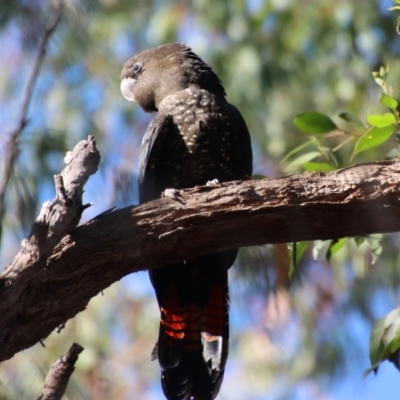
(150, 185)
(193, 295)
(167, 159)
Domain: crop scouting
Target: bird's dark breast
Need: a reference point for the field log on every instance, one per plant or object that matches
(198, 144)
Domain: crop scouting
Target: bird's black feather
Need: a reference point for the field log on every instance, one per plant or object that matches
(197, 136)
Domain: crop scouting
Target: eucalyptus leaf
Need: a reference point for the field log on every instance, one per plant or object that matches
(304, 158)
(352, 119)
(381, 120)
(314, 123)
(334, 247)
(376, 345)
(296, 150)
(319, 247)
(373, 138)
(385, 340)
(388, 101)
(316, 166)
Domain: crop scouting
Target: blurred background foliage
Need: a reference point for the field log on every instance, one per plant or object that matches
(304, 338)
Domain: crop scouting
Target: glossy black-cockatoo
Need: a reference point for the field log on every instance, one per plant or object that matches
(196, 137)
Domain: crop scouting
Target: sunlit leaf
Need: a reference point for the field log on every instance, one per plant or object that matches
(392, 329)
(296, 150)
(314, 123)
(319, 247)
(374, 238)
(258, 176)
(374, 242)
(316, 166)
(380, 77)
(388, 101)
(373, 138)
(334, 247)
(381, 120)
(359, 240)
(352, 119)
(376, 345)
(304, 158)
(385, 340)
(379, 80)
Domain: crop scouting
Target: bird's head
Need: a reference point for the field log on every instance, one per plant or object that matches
(152, 75)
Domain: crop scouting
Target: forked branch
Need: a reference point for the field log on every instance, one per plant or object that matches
(40, 293)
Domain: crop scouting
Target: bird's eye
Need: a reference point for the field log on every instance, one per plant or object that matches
(137, 67)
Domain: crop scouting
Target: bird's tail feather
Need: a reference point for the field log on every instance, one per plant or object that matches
(194, 333)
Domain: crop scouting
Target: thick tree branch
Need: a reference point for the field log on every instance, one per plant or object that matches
(60, 216)
(57, 378)
(353, 201)
(11, 151)
(56, 219)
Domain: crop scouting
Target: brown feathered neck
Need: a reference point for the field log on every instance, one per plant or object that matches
(166, 69)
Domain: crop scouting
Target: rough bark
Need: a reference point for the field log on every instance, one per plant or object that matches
(25, 274)
(34, 300)
(57, 378)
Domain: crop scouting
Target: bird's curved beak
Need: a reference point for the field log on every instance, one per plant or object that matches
(127, 85)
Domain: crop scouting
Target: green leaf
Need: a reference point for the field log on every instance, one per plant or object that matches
(374, 238)
(334, 247)
(314, 123)
(379, 79)
(381, 121)
(297, 250)
(376, 345)
(395, 7)
(316, 166)
(391, 337)
(374, 242)
(352, 119)
(369, 370)
(373, 138)
(296, 150)
(319, 247)
(332, 157)
(359, 240)
(258, 177)
(388, 101)
(304, 158)
(385, 340)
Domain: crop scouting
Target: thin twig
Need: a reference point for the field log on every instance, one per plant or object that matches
(11, 150)
(57, 379)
